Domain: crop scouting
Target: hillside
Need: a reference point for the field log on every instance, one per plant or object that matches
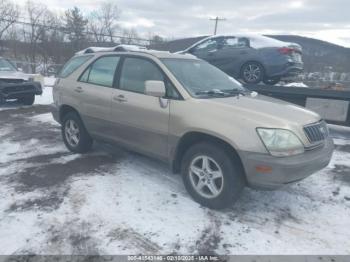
(317, 55)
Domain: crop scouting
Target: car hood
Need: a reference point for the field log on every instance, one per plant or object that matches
(264, 110)
(13, 75)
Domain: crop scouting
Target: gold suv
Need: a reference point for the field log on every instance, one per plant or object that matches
(186, 112)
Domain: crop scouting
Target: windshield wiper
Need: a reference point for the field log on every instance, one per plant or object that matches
(237, 91)
(212, 92)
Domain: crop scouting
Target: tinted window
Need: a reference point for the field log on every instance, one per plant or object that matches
(73, 65)
(135, 72)
(101, 72)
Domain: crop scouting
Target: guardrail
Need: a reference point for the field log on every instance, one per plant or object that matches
(332, 105)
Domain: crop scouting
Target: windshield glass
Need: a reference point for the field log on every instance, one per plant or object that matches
(202, 79)
(6, 65)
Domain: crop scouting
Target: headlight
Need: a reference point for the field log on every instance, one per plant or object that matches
(281, 142)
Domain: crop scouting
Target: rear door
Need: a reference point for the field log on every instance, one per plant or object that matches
(96, 89)
(140, 121)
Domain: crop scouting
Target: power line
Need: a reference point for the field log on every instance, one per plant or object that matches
(216, 19)
(64, 30)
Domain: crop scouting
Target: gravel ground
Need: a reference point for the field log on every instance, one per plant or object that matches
(111, 201)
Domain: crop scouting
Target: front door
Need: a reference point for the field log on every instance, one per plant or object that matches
(140, 121)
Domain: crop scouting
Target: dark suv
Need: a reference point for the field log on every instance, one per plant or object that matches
(251, 58)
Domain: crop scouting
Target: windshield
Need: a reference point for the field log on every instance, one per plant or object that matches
(5, 65)
(202, 79)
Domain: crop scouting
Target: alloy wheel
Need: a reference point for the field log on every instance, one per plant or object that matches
(72, 133)
(206, 176)
(252, 72)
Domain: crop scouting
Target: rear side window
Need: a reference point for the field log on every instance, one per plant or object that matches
(72, 65)
(101, 72)
(136, 72)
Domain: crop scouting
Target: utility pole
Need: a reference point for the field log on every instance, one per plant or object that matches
(217, 19)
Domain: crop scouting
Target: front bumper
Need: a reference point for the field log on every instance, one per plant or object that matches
(267, 172)
(18, 90)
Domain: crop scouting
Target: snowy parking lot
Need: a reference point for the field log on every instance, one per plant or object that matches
(111, 201)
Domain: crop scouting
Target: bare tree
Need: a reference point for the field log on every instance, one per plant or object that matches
(51, 41)
(130, 36)
(103, 23)
(155, 39)
(33, 32)
(9, 13)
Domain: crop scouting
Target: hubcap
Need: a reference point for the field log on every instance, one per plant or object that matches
(252, 73)
(206, 177)
(71, 131)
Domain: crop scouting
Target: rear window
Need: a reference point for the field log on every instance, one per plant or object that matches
(73, 64)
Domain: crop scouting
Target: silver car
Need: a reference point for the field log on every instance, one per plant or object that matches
(186, 112)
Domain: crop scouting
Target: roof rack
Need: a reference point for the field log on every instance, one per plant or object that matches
(118, 48)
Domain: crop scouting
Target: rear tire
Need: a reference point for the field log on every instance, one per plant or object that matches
(271, 80)
(74, 134)
(252, 73)
(211, 177)
(27, 100)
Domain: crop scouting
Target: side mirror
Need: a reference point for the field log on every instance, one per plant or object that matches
(155, 88)
(20, 69)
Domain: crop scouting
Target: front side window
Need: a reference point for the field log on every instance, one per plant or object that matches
(101, 72)
(199, 77)
(73, 64)
(136, 72)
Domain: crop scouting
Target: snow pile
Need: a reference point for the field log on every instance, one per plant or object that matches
(296, 84)
(45, 98)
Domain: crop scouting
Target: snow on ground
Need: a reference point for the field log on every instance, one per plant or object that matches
(111, 201)
(296, 84)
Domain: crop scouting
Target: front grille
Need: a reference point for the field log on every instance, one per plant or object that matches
(317, 132)
(15, 89)
(11, 81)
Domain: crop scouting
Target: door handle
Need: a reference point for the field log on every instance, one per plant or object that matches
(120, 98)
(78, 89)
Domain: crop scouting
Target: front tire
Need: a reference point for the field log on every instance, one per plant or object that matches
(252, 73)
(74, 134)
(211, 177)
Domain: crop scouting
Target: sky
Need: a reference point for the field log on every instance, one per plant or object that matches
(327, 20)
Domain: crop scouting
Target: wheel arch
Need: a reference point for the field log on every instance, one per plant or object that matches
(191, 138)
(64, 110)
